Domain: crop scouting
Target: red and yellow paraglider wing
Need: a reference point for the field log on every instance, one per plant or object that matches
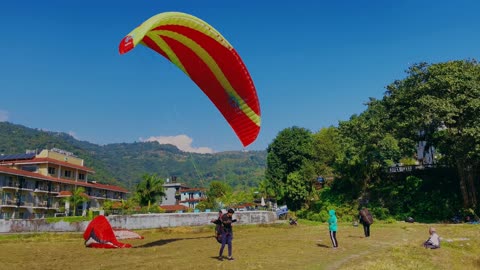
(209, 60)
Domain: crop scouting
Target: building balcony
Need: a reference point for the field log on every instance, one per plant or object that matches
(55, 190)
(41, 190)
(9, 203)
(54, 206)
(26, 188)
(10, 186)
(98, 197)
(41, 205)
(25, 204)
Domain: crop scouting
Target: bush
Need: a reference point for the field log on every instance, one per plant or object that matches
(380, 213)
(390, 220)
(321, 217)
(67, 219)
(318, 211)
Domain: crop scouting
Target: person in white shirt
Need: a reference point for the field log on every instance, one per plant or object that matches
(433, 241)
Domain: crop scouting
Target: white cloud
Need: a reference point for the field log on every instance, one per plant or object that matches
(3, 116)
(73, 134)
(182, 142)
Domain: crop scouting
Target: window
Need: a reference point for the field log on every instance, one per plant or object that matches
(51, 170)
(81, 176)
(68, 174)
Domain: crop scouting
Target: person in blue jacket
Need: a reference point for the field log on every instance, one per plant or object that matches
(332, 227)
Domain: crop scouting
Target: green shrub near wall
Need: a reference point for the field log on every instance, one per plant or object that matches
(67, 219)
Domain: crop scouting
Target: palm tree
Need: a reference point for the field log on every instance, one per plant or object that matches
(78, 197)
(150, 189)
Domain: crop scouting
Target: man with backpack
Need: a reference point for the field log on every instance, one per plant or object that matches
(366, 220)
(218, 226)
(225, 233)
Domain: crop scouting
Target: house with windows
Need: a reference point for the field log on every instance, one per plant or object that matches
(36, 185)
(190, 197)
(179, 197)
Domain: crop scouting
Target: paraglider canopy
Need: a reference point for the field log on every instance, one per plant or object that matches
(99, 234)
(209, 60)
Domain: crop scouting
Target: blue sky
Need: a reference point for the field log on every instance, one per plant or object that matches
(314, 63)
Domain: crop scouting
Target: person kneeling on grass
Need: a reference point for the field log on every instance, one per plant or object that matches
(433, 241)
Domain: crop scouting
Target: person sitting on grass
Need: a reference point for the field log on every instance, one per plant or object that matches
(433, 241)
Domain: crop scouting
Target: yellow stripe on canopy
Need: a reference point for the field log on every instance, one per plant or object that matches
(210, 62)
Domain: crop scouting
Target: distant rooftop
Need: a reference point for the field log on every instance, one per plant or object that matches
(17, 157)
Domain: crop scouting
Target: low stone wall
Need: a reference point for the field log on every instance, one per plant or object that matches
(40, 225)
(135, 222)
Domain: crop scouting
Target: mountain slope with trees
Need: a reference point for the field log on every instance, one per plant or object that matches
(125, 163)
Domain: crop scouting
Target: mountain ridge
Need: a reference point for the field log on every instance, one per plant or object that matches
(124, 163)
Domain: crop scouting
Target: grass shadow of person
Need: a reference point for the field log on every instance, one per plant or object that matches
(162, 242)
(355, 236)
(322, 245)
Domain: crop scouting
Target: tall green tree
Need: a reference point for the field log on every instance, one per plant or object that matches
(232, 199)
(266, 189)
(326, 150)
(150, 190)
(215, 192)
(291, 152)
(367, 150)
(440, 104)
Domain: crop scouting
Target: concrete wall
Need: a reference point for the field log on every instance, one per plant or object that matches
(40, 225)
(134, 222)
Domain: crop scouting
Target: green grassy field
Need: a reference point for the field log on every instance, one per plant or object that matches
(279, 246)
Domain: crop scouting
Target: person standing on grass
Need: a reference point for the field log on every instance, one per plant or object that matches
(332, 227)
(227, 234)
(366, 220)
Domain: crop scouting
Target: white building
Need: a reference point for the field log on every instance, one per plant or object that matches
(178, 194)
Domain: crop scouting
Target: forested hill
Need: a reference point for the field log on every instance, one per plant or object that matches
(124, 163)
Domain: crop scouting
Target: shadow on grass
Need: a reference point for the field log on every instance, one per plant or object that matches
(322, 245)
(166, 241)
(355, 236)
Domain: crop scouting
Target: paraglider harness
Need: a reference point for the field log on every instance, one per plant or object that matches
(219, 227)
(365, 217)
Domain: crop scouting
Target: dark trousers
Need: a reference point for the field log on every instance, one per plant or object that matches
(430, 245)
(333, 237)
(366, 230)
(226, 240)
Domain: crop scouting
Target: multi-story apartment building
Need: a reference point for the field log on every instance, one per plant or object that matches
(190, 197)
(35, 185)
(172, 193)
(179, 194)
